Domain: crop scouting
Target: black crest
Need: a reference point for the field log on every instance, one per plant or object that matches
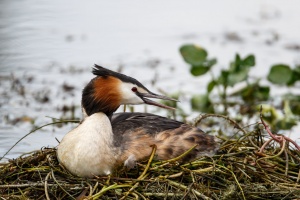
(101, 71)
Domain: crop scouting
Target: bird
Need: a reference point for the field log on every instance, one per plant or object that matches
(104, 140)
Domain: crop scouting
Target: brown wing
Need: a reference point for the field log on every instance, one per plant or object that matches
(135, 132)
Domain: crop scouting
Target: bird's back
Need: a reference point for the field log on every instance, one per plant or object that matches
(134, 134)
(150, 123)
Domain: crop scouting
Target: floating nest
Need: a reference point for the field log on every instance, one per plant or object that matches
(244, 168)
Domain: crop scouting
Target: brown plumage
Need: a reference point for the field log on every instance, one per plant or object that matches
(112, 97)
(134, 134)
(101, 95)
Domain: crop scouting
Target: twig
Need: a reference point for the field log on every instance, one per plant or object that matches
(161, 195)
(286, 162)
(186, 188)
(95, 187)
(264, 145)
(143, 175)
(234, 179)
(103, 190)
(32, 132)
(35, 185)
(91, 188)
(236, 125)
(149, 162)
(46, 186)
(232, 173)
(130, 190)
(144, 198)
(60, 185)
(298, 178)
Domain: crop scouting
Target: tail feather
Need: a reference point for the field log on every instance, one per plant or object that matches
(171, 144)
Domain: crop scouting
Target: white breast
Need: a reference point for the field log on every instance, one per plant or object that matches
(88, 149)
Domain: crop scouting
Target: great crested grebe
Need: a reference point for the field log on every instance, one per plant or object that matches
(104, 140)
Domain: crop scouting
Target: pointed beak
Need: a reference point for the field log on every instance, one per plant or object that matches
(145, 96)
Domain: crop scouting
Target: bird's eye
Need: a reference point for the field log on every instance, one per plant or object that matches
(134, 89)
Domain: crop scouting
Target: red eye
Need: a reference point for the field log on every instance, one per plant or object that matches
(134, 89)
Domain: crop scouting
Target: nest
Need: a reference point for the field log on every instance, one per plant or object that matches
(240, 170)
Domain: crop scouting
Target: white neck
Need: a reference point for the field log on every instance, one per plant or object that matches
(88, 149)
(98, 126)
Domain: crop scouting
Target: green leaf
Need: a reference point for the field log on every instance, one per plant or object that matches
(211, 86)
(199, 70)
(253, 93)
(238, 59)
(223, 79)
(239, 69)
(295, 76)
(242, 64)
(280, 74)
(193, 54)
(209, 63)
(234, 65)
(249, 61)
(237, 77)
(297, 69)
(294, 79)
(262, 93)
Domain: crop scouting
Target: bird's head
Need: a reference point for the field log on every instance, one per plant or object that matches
(109, 89)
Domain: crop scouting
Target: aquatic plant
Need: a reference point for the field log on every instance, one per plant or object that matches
(245, 101)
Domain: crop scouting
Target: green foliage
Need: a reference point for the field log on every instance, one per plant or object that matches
(249, 97)
(211, 85)
(197, 58)
(238, 70)
(254, 93)
(193, 54)
(280, 74)
(295, 76)
(198, 70)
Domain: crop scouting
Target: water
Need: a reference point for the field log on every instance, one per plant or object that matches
(48, 45)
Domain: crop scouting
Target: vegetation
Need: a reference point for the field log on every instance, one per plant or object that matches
(246, 101)
(252, 163)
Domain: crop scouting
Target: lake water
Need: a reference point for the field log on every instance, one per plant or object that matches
(48, 48)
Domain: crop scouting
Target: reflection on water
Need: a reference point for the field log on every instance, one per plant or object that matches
(47, 44)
